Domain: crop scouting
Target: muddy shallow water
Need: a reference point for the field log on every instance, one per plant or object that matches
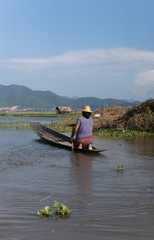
(106, 204)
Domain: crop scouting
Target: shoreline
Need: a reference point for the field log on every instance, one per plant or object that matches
(68, 129)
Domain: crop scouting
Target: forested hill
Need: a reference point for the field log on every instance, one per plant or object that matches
(26, 98)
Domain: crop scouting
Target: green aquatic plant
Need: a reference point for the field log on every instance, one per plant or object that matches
(62, 209)
(46, 211)
(122, 133)
(38, 114)
(119, 167)
(14, 124)
(59, 210)
(62, 129)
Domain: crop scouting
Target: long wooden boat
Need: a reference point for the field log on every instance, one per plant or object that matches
(58, 139)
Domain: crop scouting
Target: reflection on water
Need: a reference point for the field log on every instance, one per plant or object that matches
(106, 204)
(143, 145)
(81, 176)
(82, 171)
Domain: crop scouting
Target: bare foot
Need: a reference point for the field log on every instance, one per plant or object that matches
(90, 147)
(79, 147)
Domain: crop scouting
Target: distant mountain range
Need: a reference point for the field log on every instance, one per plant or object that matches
(46, 100)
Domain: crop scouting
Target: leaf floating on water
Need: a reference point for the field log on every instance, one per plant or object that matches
(47, 208)
(56, 204)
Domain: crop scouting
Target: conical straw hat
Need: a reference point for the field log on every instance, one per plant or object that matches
(86, 109)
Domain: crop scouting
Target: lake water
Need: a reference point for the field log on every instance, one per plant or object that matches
(106, 204)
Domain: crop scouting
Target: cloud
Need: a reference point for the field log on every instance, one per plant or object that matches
(116, 58)
(145, 78)
(131, 69)
(144, 84)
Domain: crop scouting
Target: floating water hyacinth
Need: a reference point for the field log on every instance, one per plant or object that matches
(60, 209)
(46, 212)
(119, 167)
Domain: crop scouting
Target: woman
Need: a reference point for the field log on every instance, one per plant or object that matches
(83, 129)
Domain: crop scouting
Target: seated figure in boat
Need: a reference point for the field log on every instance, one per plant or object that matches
(83, 130)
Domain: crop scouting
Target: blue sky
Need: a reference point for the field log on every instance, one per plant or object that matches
(101, 48)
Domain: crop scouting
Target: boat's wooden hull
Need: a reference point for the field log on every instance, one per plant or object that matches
(57, 139)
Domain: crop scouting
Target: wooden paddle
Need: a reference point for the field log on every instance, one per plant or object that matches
(72, 145)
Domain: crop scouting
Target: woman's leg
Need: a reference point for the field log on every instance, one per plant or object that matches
(90, 146)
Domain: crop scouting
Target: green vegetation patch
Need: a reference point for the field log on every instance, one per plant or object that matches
(61, 129)
(105, 132)
(58, 126)
(119, 168)
(14, 124)
(3, 114)
(59, 210)
(123, 133)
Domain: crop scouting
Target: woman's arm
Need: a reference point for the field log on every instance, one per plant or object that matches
(74, 132)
